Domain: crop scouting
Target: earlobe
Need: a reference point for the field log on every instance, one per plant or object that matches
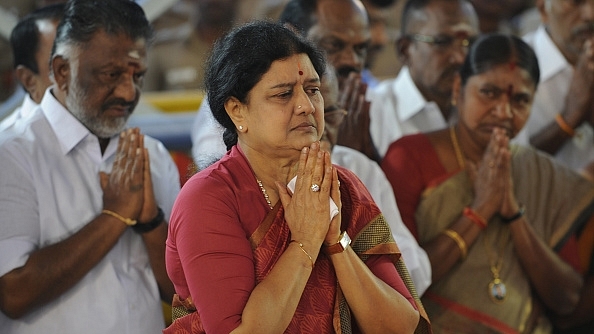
(61, 72)
(402, 44)
(236, 111)
(542, 6)
(26, 78)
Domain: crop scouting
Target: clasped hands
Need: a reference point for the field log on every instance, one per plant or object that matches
(492, 179)
(128, 188)
(307, 211)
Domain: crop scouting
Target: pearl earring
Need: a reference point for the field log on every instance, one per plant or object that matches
(241, 127)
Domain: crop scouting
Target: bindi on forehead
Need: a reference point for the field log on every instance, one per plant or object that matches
(300, 71)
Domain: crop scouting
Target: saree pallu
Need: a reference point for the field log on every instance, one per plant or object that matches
(557, 201)
(322, 308)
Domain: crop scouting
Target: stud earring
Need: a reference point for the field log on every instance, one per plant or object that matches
(240, 127)
(298, 107)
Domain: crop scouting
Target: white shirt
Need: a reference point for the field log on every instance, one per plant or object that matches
(208, 144)
(49, 189)
(207, 137)
(555, 77)
(398, 108)
(20, 113)
(374, 179)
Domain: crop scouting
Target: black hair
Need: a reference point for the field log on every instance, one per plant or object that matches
(24, 38)
(382, 3)
(240, 59)
(301, 14)
(491, 50)
(84, 18)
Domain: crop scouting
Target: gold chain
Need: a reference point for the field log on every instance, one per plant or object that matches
(459, 155)
(264, 193)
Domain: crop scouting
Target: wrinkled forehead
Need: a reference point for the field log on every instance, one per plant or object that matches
(444, 16)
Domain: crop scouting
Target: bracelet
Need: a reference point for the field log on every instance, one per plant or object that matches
(304, 251)
(475, 217)
(564, 126)
(153, 224)
(127, 221)
(517, 216)
(459, 241)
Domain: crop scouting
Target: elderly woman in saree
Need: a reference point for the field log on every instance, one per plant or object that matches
(273, 238)
(497, 220)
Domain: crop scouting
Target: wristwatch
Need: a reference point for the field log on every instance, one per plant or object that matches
(343, 243)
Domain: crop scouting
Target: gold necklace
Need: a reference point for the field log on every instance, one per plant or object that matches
(497, 289)
(459, 155)
(264, 193)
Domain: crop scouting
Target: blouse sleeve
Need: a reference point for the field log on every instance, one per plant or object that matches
(208, 254)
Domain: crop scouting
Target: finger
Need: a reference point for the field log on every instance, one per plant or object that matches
(335, 193)
(316, 167)
(103, 180)
(301, 167)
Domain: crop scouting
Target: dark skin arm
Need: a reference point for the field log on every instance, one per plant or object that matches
(579, 105)
(556, 283)
(53, 270)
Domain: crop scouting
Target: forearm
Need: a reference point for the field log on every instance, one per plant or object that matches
(556, 282)
(549, 139)
(53, 270)
(377, 307)
(273, 301)
(155, 245)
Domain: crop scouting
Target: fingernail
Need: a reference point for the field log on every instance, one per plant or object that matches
(304, 150)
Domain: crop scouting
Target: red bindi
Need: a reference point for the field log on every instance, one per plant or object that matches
(299, 68)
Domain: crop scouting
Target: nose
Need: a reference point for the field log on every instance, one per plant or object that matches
(126, 87)
(502, 109)
(303, 104)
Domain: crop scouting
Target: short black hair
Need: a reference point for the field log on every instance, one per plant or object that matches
(240, 59)
(300, 14)
(84, 18)
(24, 38)
(382, 3)
(491, 50)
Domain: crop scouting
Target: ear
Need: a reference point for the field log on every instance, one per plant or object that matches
(542, 9)
(402, 44)
(236, 111)
(60, 68)
(26, 78)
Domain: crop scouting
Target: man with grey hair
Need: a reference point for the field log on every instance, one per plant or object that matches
(84, 201)
(562, 117)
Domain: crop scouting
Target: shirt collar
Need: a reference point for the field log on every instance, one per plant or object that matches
(67, 128)
(550, 59)
(410, 100)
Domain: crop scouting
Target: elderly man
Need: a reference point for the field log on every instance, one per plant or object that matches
(31, 41)
(563, 111)
(82, 200)
(562, 117)
(435, 37)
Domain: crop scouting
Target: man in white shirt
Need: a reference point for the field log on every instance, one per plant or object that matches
(435, 38)
(83, 201)
(562, 114)
(31, 41)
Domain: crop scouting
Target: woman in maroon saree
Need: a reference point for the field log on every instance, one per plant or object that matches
(246, 251)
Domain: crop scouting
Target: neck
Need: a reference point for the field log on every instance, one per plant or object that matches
(271, 169)
(470, 149)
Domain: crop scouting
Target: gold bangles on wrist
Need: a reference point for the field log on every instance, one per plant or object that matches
(304, 252)
(459, 241)
(127, 221)
(564, 126)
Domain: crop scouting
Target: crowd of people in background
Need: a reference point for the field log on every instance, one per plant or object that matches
(451, 141)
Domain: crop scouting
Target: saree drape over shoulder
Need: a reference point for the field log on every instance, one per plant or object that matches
(261, 237)
(557, 202)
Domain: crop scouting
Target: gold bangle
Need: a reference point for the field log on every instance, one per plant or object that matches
(459, 241)
(304, 251)
(564, 126)
(127, 221)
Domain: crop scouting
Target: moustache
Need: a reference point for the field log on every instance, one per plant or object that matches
(119, 103)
